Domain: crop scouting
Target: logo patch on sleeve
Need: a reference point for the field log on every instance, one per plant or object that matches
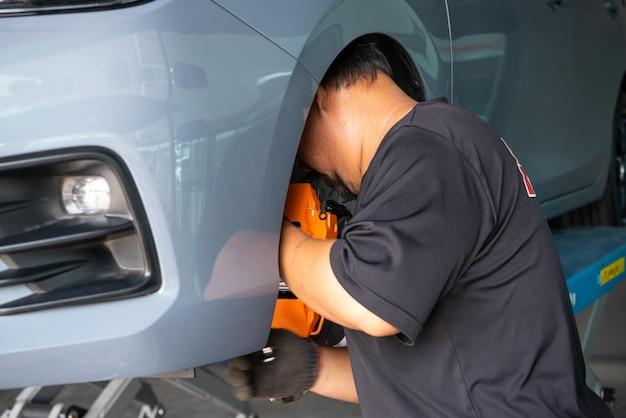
(525, 179)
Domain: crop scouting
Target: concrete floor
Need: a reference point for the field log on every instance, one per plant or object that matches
(608, 351)
(179, 404)
(608, 360)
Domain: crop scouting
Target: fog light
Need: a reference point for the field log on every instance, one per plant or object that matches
(86, 195)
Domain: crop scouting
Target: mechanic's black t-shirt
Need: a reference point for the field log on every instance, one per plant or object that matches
(449, 245)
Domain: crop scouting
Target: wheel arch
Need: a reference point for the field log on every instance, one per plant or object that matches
(407, 37)
(301, 92)
(415, 39)
(416, 56)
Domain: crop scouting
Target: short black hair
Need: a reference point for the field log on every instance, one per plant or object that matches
(359, 60)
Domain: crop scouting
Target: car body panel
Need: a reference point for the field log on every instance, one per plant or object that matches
(597, 64)
(327, 27)
(172, 91)
(299, 18)
(531, 71)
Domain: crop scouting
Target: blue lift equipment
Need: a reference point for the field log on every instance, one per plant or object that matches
(593, 263)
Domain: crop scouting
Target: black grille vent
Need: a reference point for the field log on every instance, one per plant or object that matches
(64, 259)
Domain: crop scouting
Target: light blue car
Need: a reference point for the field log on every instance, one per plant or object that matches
(146, 148)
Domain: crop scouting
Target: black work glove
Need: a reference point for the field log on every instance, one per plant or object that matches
(284, 370)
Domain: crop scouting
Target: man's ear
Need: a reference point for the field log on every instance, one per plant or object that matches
(320, 102)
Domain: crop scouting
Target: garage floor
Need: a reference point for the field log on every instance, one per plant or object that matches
(608, 360)
(179, 404)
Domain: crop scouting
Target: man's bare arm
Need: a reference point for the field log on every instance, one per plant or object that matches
(335, 379)
(305, 266)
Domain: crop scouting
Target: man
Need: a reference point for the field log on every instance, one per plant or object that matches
(446, 278)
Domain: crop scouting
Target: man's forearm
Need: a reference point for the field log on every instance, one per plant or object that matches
(305, 266)
(307, 278)
(335, 378)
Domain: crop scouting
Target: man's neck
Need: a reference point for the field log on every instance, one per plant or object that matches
(364, 114)
(386, 104)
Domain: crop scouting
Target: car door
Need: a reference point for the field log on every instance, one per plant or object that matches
(512, 68)
(598, 64)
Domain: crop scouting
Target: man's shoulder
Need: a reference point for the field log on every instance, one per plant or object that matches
(458, 130)
(449, 121)
(437, 143)
(411, 143)
(410, 154)
(435, 125)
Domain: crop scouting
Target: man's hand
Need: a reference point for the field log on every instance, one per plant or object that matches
(286, 368)
(305, 267)
(293, 366)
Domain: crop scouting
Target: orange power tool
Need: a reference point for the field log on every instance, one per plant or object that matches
(303, 208)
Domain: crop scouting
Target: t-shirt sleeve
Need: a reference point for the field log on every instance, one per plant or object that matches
(416, 230)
